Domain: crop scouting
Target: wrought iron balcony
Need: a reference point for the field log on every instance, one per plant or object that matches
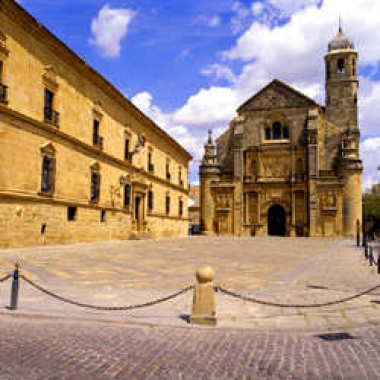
(97, 141)
(51, 116)
(3, 93)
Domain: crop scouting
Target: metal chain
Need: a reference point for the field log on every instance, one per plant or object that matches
(278, 304)
(7, 277)
(109, 308)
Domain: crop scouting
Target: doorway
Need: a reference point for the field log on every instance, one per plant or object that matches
(276, 221)
(138, 212)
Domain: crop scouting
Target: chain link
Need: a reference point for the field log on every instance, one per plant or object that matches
(108, 308)
(279, 304)
(7, 277)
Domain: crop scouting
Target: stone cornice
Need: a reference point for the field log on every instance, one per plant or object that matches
(24, 122)
(165, 216)
(55, 200)
(25, 21)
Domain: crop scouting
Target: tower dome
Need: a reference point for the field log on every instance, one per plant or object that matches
(340, 41)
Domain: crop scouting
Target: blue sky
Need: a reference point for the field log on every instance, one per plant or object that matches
(189, 64)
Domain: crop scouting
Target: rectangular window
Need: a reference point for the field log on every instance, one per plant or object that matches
(167, 204)
(126, 150)
(97, 140)
(47, 178)
(150, 163)
(95, 187)
(180, 207)
(168, 176)
(3, 88)
(103, 215)
(150, 200)
(50, 116)
(127, 195)
(71, 213)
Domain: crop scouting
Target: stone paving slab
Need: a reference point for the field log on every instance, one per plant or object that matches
(132, 272)
(57, 349)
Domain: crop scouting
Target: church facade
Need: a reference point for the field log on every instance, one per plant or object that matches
(286, 165)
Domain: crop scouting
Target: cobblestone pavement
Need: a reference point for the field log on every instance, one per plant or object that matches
(47, 349)
(290, 270)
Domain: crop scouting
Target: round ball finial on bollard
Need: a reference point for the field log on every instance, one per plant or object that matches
(203, 311)
(204, 274)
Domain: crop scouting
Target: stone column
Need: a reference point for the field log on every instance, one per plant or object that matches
(293, 228)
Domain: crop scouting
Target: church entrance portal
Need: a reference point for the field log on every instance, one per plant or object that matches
(276, 221)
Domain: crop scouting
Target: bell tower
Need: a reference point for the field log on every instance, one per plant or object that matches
(342, 82)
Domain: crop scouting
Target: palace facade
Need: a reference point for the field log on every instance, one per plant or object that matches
(78, 162)
(286, 165)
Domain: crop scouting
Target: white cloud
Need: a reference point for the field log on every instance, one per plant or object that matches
(109, 28)
(210, 21)
(287, 7)
(370, 153)
(241, 14)
(257, 8)
(210, 106)
(220, 72)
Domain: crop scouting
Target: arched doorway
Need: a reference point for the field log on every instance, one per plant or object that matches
(276, 221)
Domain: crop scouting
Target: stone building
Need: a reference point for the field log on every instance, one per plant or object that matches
(286, 165)
(78, 162)
(194, 225)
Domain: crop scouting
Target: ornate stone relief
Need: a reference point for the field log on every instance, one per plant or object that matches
(223, 201)
(50, 78)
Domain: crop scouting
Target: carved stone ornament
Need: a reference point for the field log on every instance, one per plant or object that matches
(328, 200)
(222, 201)
(3, 46)
(47, 149)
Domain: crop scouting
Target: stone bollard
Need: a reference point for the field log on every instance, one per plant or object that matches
(14, 289)
(357, 233)
(203, 311)
(370, 254)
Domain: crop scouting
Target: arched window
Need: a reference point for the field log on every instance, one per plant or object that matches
(276, 130)
(353, 67)
(341, 67)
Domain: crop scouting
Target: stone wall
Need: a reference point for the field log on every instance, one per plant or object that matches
(35, 61)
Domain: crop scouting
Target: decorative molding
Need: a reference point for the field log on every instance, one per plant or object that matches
(48, 149)
(4, 52)
(49, 78)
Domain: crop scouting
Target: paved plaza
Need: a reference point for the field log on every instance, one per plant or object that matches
(286, 270)
(55, 349)
(48, 339)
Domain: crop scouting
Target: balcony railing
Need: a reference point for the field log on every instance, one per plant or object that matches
(51, 116)
(97, 141)
(3, 93)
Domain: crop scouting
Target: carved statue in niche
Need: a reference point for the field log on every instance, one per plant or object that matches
(328, 200)
(222, 201)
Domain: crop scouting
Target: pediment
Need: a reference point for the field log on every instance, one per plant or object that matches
(276, 95)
